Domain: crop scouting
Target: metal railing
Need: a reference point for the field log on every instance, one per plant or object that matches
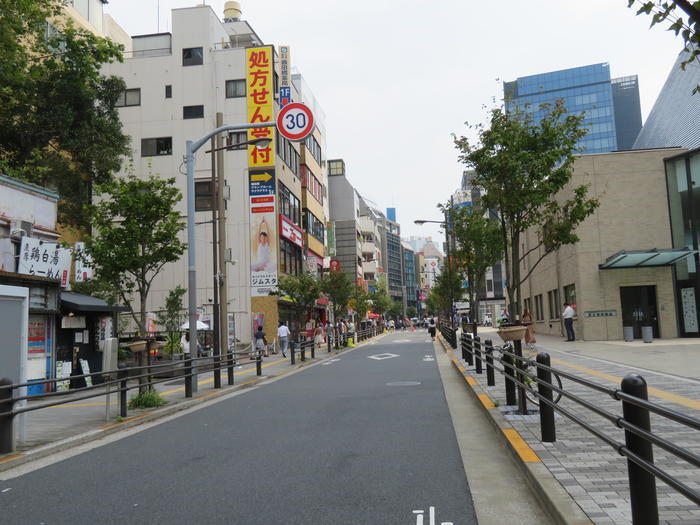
(449, 333)
(635, 419)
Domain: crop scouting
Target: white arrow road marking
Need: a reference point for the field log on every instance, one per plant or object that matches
(379, 357)
(330, 361)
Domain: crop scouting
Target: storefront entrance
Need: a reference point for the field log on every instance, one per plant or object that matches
(639, 309)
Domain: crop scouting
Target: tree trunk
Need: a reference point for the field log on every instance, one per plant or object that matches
(515, 308)
(142, 354)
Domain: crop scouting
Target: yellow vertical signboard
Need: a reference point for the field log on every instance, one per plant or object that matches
(260, 98)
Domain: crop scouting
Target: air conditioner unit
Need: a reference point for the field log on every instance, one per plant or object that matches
(21, 228)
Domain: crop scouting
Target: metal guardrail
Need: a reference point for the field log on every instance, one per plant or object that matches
(11, 397)
(635, 419)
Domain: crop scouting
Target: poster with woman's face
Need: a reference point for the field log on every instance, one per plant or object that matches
(263, 249)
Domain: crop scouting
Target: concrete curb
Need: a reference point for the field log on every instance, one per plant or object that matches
(16, 459)
(558, 503)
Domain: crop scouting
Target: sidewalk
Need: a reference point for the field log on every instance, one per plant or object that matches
(49, 426)
(590, 470)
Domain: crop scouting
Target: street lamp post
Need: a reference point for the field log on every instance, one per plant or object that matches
(446, 223)
(191, 148)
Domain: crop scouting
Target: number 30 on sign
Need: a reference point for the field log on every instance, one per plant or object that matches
(295, 121)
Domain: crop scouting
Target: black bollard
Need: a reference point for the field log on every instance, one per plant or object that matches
(217, 370)
(329, 336)
(313, 349)
(477, 354)
(518, 351)
(7, 438)
(470, 350)
(231, 366)
(509, 375)
(645, 510)
(292, 351)
(123, 376)
(303, 350)
(490, 376)
(188, 376)
(549, 433)
(464, 347)
(258, 364)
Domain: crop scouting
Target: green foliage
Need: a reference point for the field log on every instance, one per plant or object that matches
(302, 290)
(172, 344)
(522, 166)
(339, 289)
(412, 312)
(59, 127)
(136, 234)
(447, 289)
(148, 399)
(171, 316)
(360, 302)
(381, 302)
(685, 23)
(396, 309)
(478, 245)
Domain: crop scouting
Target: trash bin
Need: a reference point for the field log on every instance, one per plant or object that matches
(628, 332)
(647, 334)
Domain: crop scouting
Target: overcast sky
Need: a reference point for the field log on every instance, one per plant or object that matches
(397, 77)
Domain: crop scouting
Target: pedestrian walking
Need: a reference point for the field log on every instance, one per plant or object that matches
(283, 336)
(260, 341)
(530, 339)
(318, 336)
(431, 328)
(568, 315)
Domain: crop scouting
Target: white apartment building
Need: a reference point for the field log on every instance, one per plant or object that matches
(177, 83)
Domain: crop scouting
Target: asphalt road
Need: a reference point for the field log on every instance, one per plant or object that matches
(356, 440)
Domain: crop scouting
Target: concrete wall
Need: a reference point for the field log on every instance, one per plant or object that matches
(633, 215)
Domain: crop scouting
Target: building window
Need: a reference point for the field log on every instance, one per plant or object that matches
(156, 147)
(311, 183)
(336, 167)
(570, 294)
(237, 137)
(192, 56)
(290, 257)
(235, 88)
(527, 306)
(285, 149)
(203, 195)
(313, 147)
(129, 97)
(192, 112)
(168, 91)
(489, 285)
(553, 299)
(314, 226)
(539, 310)
(289, 205)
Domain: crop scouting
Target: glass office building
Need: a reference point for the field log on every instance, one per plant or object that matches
(586, 89)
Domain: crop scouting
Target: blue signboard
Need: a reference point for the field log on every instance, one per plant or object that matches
(285, 96)
(262, 182)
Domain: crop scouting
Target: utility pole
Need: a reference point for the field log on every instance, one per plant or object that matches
(215, 307)
(223, 268)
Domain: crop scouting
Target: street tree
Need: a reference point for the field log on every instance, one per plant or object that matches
(360, 301)
(381, 302)
(478, 247)
(338, 288)
(171, 317)
(59, 126)
(301, 291)
(682, 17)
(522, 165)
(135, 234)
(446, 290)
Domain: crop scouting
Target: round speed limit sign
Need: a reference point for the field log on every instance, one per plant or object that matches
(295, 121)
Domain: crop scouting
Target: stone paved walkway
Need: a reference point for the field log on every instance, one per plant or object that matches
(590, 470)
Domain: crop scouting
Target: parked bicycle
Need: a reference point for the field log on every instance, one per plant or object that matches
(529, 368)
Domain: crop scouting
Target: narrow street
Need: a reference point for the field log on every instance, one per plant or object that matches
(363, 438)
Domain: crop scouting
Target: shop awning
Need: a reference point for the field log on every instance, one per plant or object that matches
(77, 302)
(645, 258)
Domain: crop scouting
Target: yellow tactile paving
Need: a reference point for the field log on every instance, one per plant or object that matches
(653, 391)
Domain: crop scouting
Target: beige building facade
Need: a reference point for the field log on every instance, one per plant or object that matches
(606, 275)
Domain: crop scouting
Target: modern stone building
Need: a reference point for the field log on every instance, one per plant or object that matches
(621, 272)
